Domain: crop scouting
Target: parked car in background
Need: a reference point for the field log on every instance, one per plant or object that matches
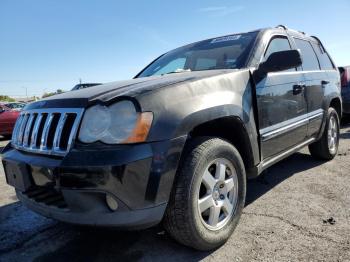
(85, 85)
(177, 143)
(345, 88)
(15, 106)
(8, 119)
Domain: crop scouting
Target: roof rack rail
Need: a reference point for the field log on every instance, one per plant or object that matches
(286, 28)
(316, 38)
(282, 26)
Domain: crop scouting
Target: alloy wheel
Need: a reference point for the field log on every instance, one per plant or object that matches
(218, 194)
(332, 134)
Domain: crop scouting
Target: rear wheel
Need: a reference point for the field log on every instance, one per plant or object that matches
(208, 194)
(327, 147)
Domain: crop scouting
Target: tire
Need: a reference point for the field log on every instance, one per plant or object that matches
(322, 149)
(202, 158)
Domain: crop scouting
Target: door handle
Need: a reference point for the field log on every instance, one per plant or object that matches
(324, 82)
(297, 89)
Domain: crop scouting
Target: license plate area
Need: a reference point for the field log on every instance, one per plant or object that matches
(17, 175)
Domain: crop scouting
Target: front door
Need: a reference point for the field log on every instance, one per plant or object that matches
(282, 106)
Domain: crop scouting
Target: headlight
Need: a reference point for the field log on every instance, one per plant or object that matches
(115, 124)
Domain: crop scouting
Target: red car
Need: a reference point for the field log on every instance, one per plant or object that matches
(8, 118)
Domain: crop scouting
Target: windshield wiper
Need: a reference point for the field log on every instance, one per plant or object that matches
(179, 70)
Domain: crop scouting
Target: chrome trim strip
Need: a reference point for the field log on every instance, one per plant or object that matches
(319, 115)
(28, 119)
(284, 129)
(289, 125)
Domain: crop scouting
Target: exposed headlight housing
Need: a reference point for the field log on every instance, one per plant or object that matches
(118, 123)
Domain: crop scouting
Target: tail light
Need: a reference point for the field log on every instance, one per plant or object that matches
(345, 78)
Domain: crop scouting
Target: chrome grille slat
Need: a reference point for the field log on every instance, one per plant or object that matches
(71, 136)
(16, 128)
(44, 137)
(47, 131)
(22, 128)
(27, 130)
(34, 137)
(58, 133)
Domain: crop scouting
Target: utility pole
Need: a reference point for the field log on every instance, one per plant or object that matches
(26, 92)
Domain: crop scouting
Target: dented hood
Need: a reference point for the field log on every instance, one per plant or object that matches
(132, 88)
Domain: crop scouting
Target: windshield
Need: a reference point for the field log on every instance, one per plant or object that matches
(227, 52)
(15, 105)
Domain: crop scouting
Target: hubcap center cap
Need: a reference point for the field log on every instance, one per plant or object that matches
(219, 191)
(216, 195)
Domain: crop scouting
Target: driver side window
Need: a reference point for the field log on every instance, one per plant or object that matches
(277, 44)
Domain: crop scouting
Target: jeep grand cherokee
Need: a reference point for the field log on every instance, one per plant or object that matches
(177, 143)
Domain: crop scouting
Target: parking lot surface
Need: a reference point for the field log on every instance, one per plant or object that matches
(299, 210)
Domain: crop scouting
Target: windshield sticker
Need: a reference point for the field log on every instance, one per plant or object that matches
(225, 38)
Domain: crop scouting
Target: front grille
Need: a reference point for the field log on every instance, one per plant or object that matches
(46, 131)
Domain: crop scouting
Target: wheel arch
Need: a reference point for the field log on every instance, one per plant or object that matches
(336, 104)
(233, 130)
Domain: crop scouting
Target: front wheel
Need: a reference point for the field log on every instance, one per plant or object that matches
(327, 147)
(208, 195)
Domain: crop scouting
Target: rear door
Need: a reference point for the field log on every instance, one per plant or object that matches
(281, 105)
(316, 80)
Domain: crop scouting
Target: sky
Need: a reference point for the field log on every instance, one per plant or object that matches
(47, 45)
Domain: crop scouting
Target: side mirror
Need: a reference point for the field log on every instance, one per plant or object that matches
(2, 110)
(280, 61)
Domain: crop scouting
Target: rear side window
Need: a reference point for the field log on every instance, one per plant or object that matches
(310, 61)
(325, 61)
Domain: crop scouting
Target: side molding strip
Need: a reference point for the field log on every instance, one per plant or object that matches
(289, 127)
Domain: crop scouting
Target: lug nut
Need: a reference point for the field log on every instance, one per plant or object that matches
(222, 197)
(222, 186)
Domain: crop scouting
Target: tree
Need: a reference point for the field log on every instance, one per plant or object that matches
(58, 91)
(6, 98)
(48, 94)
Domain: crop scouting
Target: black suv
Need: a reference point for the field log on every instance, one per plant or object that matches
(177, 143)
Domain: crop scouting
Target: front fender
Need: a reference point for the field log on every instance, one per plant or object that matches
(179, 109)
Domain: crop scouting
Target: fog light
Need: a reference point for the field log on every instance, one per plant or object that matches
(111, 202)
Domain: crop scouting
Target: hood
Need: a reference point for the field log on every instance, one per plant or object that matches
(132, 88)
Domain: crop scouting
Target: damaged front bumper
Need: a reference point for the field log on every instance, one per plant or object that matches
(74, 188)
